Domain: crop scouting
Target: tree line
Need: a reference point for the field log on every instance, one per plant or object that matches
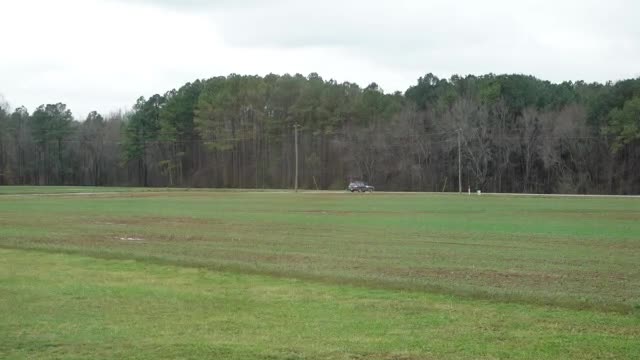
(514, 133)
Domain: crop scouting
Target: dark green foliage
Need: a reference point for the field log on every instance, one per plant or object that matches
(51, 122)
(50, 126)
(624, 124)
(140, 133)
(519, 133)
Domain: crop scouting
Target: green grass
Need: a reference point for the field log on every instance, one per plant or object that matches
(13, 190)
(69, 306)
(317, 275)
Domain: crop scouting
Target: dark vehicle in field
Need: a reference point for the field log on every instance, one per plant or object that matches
(360, 186)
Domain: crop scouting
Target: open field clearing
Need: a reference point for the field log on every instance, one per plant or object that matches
(69, 306)
(329, 275)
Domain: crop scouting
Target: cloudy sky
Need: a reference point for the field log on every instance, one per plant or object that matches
(103, 54)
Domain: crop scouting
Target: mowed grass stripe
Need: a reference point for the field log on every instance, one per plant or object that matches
(75, 307)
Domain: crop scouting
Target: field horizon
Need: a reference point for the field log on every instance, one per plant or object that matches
(83, 189)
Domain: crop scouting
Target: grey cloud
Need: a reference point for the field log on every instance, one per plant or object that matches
(203, 5)
(547, 38)
(391, 43)
(367, 23)
(463, 36)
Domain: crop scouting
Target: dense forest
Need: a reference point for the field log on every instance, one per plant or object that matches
(514, 133)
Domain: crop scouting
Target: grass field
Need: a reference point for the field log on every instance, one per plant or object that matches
(167, 274)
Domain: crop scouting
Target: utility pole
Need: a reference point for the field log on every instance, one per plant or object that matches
(459, 164)
(295, 137)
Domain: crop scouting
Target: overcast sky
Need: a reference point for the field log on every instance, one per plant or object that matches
(103, 54)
